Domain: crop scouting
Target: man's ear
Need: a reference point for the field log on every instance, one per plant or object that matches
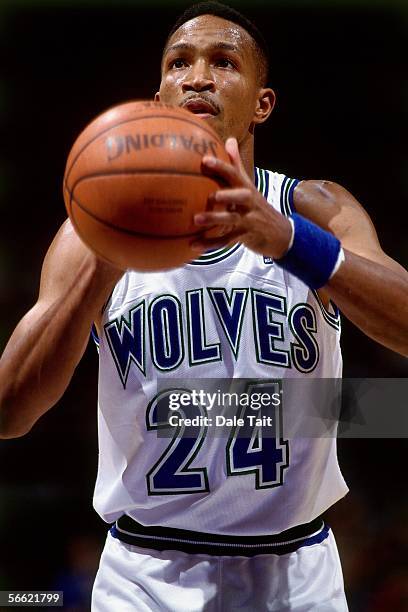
(264, 106)
(157, 96)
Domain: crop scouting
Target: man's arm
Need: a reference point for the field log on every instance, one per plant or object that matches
(369, 287)
(47, 344)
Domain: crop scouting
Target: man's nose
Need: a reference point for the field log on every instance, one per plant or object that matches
(199, 78)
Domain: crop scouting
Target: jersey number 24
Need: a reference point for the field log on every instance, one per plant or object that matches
(250, 448)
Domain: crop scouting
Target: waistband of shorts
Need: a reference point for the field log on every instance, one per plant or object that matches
(166, 538)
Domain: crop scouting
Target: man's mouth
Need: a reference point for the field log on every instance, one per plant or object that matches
(201, 108)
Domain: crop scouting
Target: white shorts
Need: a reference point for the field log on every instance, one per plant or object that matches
(134, 579)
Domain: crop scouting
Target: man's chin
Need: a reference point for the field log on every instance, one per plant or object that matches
(215, 122)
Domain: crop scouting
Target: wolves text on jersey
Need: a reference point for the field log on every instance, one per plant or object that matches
(159, 326)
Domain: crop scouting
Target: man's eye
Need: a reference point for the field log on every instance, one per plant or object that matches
(224, 63)
(177, 63)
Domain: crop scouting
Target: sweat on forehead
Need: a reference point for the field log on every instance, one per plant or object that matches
(204, 25)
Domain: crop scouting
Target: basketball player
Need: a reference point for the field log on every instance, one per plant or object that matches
(211, 523)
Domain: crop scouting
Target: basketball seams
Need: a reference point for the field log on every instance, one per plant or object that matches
(125, 230)
(139, 118)
(145, 171)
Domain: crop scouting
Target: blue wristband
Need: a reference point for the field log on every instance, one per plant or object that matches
(313, 255)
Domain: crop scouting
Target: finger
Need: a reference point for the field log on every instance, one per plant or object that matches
(216, 231)
(217, 218)
(212, 166)
(233, 199)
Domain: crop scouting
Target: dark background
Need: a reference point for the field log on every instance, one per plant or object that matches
(339, 71)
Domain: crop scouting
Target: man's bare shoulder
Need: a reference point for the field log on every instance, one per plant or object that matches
(333, 207)
(325, 196)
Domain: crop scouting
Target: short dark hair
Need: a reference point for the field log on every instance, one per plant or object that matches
(226, 12)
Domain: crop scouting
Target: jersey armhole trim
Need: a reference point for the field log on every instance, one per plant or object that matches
(262, 181)
(333, 319)
(106, 304)
(94, 336)
(286, 196)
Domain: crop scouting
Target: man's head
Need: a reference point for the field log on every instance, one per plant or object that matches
(215, 64)
(258, 42)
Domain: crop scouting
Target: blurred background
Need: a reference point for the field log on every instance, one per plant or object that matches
(340, 72)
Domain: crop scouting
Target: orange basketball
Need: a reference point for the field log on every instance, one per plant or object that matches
(133, 184)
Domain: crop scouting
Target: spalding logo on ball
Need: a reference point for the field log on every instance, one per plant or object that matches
(133, 184)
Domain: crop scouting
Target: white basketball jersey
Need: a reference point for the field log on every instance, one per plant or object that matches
(231, 314)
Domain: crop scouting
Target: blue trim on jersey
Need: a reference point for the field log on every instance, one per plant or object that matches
(286, 196)
(266, 190)
(332, 319)
(214, 256)
(256, 177)
(282, 199)
(291, 195)
(336, 309)
(318, 538)
(94, 335)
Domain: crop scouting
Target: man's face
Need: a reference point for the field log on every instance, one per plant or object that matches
(209, 67)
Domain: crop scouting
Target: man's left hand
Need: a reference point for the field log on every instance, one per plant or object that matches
(245, 215)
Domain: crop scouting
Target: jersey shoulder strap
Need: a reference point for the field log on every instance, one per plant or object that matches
(277, 188)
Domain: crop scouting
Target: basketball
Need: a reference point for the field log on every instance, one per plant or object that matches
(133, 184)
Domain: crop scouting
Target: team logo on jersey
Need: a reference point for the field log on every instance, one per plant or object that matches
(205, 326)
